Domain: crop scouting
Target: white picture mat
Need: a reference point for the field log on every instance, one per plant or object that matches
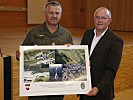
(54, 88)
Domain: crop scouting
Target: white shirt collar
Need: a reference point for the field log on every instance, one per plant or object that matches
(100, 34)
(95, 40)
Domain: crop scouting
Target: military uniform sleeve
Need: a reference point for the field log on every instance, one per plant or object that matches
(70, 39)
(28, 39)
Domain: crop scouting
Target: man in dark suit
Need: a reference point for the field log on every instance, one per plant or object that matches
(105, 49)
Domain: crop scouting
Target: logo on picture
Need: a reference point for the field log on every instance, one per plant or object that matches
(82, 85)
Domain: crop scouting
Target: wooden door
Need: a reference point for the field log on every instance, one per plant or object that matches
(92, 5)
(124, 18)
(79, 13)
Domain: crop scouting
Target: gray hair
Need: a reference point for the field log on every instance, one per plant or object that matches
(104, 8)
(53, 3)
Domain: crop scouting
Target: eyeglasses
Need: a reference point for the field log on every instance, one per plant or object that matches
(101, 17)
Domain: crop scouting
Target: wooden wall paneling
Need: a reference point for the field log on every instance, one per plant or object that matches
(12, 19)
(0, 1)
(77, 8)
(79, 13)
(122, 19)
(92, 5)
(83, 14)
(15, 3)
(114, 9)
(89, 15)
(130, 15)
(122, 12)
(73, 14)
(125, 15)
(66, 19)
(7, 8)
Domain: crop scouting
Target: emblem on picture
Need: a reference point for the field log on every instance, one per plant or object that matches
(27, 86)
(82, 85)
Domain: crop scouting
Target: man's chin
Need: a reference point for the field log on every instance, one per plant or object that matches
(100, 27)
(54, 24)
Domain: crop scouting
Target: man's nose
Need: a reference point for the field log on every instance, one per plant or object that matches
(54, 15)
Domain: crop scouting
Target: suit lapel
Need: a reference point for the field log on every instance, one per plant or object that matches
(99, 44)
(90, 41)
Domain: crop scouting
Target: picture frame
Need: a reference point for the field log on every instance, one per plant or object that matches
(54, 70)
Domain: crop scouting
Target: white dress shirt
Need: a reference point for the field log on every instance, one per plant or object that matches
(95, 40)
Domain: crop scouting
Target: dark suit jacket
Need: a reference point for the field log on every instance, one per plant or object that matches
(104, 60)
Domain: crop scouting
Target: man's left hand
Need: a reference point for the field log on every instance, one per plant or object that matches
(93, 92)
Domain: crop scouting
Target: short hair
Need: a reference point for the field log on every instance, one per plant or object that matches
(107, 11)
(53, 3)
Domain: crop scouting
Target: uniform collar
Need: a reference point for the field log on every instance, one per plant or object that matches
(45, 29)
